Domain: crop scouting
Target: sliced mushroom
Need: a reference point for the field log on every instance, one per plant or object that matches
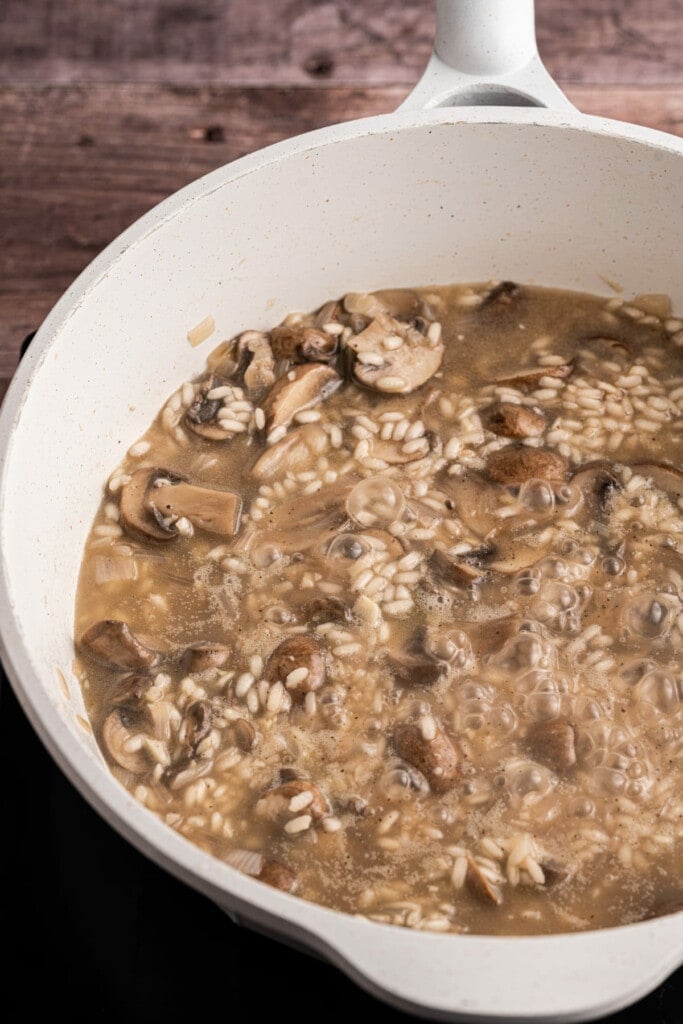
(513, 547)
(302, 343)
(214, 511)
(448, 570)
(255, 351)
(481, 886)
(297, 450)
(509, 420)
(554, 744)
(202, 415)
(303, 521)
(665, 477)
(197, 724)
(518, 463)
(474, 499)
(490, 635)
(275, 804)
(529, 380)
(130, 689)
(245, 734)
(110, 642)
(294, 653)
(206, 655)
(555, 872)
(431, 751)
(416, 669)
(302, 388)
(118, 729)
(276, 874)
(384, 365)
(137, 519)
(597, 483)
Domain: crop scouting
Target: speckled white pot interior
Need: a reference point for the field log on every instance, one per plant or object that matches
(412, 198)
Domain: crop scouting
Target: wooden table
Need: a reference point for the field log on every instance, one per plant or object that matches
(106, 107)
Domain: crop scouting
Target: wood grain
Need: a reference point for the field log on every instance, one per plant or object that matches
(308, 42)
(79, 164)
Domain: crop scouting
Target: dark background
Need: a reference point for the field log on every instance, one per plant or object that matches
(107, 106)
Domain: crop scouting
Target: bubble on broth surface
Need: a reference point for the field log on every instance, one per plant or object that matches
(525, 651)
(348, 547)
(657, 693)
(375, 501)
(541, 696)
(527, 782)
(537, 496)
(648, 615)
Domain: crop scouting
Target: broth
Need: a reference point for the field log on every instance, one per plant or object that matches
(386, 608)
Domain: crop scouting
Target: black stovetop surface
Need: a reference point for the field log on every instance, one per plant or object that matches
(95, 930)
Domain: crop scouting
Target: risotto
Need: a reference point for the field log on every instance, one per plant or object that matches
(386, 608)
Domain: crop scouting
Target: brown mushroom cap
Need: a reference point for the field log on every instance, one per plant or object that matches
(302, 388)
(136, 517)
(554, 744)
(300, 651)
(509, 420)
(245, 734)
(435, 757)
(120, 725)
(518, 463)
(412, 669)
(111, 643)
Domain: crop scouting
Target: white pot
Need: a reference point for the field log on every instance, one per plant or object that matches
(454, 193)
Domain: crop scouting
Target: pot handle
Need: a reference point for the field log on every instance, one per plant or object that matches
(485, 54)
